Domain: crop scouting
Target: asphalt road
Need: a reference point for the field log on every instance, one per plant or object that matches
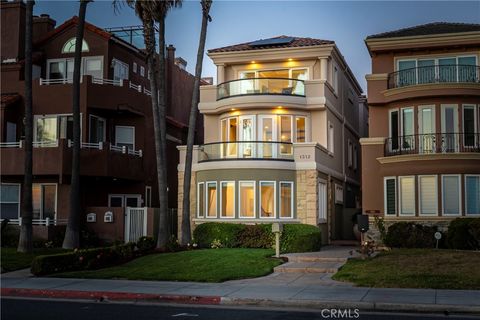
(28, 309)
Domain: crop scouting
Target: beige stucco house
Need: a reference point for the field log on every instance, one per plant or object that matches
(281, 137)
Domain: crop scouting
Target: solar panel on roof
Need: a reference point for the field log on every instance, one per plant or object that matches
(271, 42)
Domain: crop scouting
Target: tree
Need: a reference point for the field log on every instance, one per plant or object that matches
(72, 235)
(192, 121)
(25, 243)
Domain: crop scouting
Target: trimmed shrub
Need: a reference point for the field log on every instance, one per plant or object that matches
(145, 244)
(410, 235)
(226, 233)
(463, 233)
(86, 259)
(10, 235)
(256, 236)
(300, 238)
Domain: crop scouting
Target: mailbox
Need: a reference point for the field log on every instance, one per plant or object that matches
(91, 217)
(108, 217)
(362, 223)
(277, 227)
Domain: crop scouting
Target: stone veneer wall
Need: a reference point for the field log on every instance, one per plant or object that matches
(193, 201)
(307, 181)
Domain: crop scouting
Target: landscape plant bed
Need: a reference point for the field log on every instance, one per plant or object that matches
(13, 260)
(415, 268)
(208, 265)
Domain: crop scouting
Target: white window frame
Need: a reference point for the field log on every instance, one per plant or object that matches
(198, 197)
(148, 199)
(465, 197)
(124, 197)
(475, 125)
(84, 43)
(306, 128)
(330, 138)
(323, 219)
(420, 210)
(459, 195)
(19, 195)
(279, 134)
(274, 199)
(234, 199)
(116, 136)
(292, 194)
(206, 199)
(402, 129)
(41, 184)
(57, 116)
(385, 209)
(115, 61)
(82, 67)
(134, 67)
(400, 207)
(90, 126)
(254, 199)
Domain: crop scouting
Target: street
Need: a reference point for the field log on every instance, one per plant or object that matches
(19, 309)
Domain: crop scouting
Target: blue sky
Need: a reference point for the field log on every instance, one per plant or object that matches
(345, 22)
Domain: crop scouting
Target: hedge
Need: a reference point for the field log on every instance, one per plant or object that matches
(464, 233)
(86, 259)
(410, 235)
(294, 238)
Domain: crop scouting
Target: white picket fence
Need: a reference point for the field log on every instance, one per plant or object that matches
(135, 223)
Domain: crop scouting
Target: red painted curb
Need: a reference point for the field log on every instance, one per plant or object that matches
(103, 295)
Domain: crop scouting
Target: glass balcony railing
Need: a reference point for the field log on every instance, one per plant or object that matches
(248, 150)
(454, 73)
(263, 86)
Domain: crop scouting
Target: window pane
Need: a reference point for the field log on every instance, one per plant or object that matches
(407, 195)
(66, 127)
(394, 129)
(300, 129)
(426, 71)
(9, 210)
(211, 200)
(228, 199)
(267, 199)
(9, 193)
(286, 133)
(232, 136)
(49, 198)
(447, 70)
(467, 70)
(407, 129)
(286, 200)
(322, 200)
(124, 136)
(451, 194)
(428, 195)
(299, 86)
(57, 70)
(201, 200)
(131, 201)
(116, 201)
(407, 74)
(472, 189)
(247, 199)
(36, 200)
(390, 197)
(47, 129)
(469, 126)
(93, 67)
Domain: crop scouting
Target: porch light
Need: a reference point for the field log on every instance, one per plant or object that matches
(290, 59)
(279, 107)
(252, 62)
(233, 109)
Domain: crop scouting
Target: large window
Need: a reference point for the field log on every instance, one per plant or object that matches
(69, 46)
(63, 68)
(390, 196)
(408, 141)
(246, 199)
(50, 128)
(97, 129)
(9, 201)
(427, 189)
(267, 199)
(229, 134)
(227, 199)
(44, 200)
(120, 70)
(279, 81)
(469, 125)
(407, 195)
(301, 129)
(286, 134)
(451, 195)
(211, 199)
(472, 194)
(286, 199)
(394, 121)
(201, 199)
(125, 136)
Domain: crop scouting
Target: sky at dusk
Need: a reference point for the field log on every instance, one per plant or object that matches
(345, 22)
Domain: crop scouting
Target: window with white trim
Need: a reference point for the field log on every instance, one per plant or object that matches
(322, 201)
(211, 200)
(472, 194)
(125, 137)
(200, 199)
(286, 199)
(142, 71)
(227, 199)
(9, 201)
(120, 70)
(69, 46)
(50, 128)
(267, 199)
(428, 191)
(330, 137)
(390, 195)
(470, 138)
(300, 123)
(246, 195)
(407, 195)
(451, 195)
(44, 200)
(97, 129)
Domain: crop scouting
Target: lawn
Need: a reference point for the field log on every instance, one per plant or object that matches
(13, 260)
(415, 268)
(209, 265)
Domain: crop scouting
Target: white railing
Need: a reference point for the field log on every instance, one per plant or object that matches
(87, 145)
(45, 144)
(137, 153)
(16, 144)
(38, 222)
(108, 81)
(137, 87)
(147, 92)
(55, 81)
(124, 149)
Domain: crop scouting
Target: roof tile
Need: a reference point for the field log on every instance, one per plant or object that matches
(428, 29)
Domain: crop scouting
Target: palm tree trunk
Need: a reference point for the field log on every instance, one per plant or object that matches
(72, 235)
(162, 164)
(192, 121)
(25, 243)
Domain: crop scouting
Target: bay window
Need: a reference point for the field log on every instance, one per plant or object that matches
(267, 199)
(227, 199)
(246, 199)
(211, 199)
(286, 199)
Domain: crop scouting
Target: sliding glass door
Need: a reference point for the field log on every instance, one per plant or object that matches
(267, 133)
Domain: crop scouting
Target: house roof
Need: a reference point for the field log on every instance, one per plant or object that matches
(428, 29)
(9, 98)
(295, 42)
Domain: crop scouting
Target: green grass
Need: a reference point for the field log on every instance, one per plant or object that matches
(13, 260)
(415, 268)
(209, 265)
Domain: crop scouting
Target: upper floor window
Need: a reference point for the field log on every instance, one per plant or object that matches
(142, 71)
(134, 69)
(125, 137)
(277, 81)
(120, 70)
(63, 68)
(69, 46)
(50, 128)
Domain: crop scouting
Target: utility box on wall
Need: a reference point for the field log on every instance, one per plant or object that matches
(91, 217)
(108, 217)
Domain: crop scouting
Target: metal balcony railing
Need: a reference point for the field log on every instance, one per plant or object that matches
(433, 143)
(247, 150)
(454, 73)
(261, 86)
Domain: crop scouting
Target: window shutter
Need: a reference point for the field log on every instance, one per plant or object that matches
(428, 195)
(407, 193)
(391, 205)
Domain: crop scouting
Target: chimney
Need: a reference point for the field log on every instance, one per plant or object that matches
(181, 63)
(42, 25)
(12, 18)
(207, 80)
(171, 54)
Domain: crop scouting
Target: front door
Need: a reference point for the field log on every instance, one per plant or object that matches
(267, 133)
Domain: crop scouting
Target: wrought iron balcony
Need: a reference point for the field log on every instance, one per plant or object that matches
(261, 86)
(247, 150)
(433, 143)
(454, 73)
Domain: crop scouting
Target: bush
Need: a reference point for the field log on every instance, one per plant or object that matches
(464, 233)
(300, 238)
(410, 235)
(256, 236)
(145, 244)
(226, 233)
(86, 259)
(10, 235)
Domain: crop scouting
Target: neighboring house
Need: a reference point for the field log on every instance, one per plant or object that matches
(118, 167)
(421, 161)
(281, 137)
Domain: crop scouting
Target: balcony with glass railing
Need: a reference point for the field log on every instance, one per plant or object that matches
(452, 73)
(261, 86)
(433, 143)
(246, 150)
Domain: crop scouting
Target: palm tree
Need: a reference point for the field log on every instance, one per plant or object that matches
(72, 235)
(25, 241)
(186, 232)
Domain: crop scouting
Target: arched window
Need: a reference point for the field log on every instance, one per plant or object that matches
(69, 46)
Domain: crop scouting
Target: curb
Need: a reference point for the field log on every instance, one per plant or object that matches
(109, 296)
(362, 305)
